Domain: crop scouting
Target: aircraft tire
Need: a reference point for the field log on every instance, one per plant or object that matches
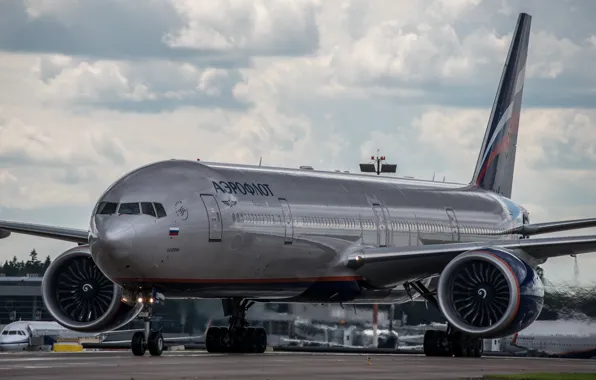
(479, 350)
(466, 346)
(138, 345)
(156, 343)
(430, 343)
(458, 345)
(260, 340)
(213, 340)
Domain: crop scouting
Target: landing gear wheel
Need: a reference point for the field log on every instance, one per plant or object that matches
(239, 336)
(238, 340)
(479, 349)
(441, 343)
(212, 340)
(436, 343)
(155, 343)
(260, 340)
(459, 344)
(138, 344)
(429, 344)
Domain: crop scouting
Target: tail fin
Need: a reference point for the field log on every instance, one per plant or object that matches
(496, 161)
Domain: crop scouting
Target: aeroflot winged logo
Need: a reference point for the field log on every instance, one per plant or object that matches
(230, 202)
(231, 187)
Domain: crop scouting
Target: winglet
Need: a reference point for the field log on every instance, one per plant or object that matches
(496, 160)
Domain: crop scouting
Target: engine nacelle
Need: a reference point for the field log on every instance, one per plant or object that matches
(81, 298)
(490, 293)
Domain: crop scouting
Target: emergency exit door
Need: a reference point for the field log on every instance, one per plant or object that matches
(214, 216)
(288, 221)
(453, 224)
(381, 223)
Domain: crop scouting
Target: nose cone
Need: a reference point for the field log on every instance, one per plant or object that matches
(111, 243)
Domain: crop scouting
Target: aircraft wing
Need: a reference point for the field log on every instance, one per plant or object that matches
(59, 233)
(382, 266)
(544, 228)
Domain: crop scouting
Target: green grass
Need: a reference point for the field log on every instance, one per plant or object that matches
(543, 376)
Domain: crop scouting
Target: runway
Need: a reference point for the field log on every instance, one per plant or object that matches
(201, 365)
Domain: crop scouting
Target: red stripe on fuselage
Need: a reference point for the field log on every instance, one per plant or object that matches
(241, 280)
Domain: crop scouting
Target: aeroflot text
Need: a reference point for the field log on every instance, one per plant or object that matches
(243, 188)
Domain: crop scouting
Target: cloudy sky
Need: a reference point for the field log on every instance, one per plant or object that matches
(91, 89)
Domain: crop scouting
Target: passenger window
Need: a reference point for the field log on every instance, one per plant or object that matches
(161, 212)
(147, 209)
(129, 209)
(107, 208)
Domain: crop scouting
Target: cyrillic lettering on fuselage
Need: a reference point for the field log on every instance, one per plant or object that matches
(231, 187)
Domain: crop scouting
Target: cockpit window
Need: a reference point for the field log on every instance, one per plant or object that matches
(4, 332)
(129, 209)
(161, 212)
(12, 333)
(107, 208)
(147, 208)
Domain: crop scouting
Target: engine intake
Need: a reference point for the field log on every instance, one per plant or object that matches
(490, 293)
(81, 298)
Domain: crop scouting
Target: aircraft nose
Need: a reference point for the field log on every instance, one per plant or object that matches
(111, 240)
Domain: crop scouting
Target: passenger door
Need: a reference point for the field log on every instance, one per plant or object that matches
(214, 216)
(453, 223)
(381, 225)
(288, 221)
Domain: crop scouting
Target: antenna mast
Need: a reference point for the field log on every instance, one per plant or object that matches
(378, 165)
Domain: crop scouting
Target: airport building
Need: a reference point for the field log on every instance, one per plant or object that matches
(20, 299)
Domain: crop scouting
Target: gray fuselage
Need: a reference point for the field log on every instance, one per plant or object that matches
(274, 233)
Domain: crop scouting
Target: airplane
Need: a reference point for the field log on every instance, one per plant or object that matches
(17, 336)
(247, 233)
(560, 345)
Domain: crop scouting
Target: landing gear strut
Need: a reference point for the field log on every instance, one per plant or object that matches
(147, 339)
(239, 337)
(450, 342)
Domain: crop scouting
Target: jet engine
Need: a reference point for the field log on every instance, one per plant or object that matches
(81, 298)
(490, 293)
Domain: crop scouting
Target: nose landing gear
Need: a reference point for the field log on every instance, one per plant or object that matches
(147, 339)
(239, 337)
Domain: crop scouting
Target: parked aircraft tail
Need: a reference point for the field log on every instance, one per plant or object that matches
(496, 160)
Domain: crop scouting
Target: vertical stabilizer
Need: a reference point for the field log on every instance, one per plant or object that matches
(496, 161)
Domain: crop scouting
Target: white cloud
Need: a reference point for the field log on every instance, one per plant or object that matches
(259, 26)
(94, 89)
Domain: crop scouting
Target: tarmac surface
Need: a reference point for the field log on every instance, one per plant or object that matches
(189, 365)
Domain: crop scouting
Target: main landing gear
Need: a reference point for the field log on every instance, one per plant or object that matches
(239, 337)
(148, 339)
(450, 342)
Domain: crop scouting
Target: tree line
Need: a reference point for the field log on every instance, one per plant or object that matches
(19, 268)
